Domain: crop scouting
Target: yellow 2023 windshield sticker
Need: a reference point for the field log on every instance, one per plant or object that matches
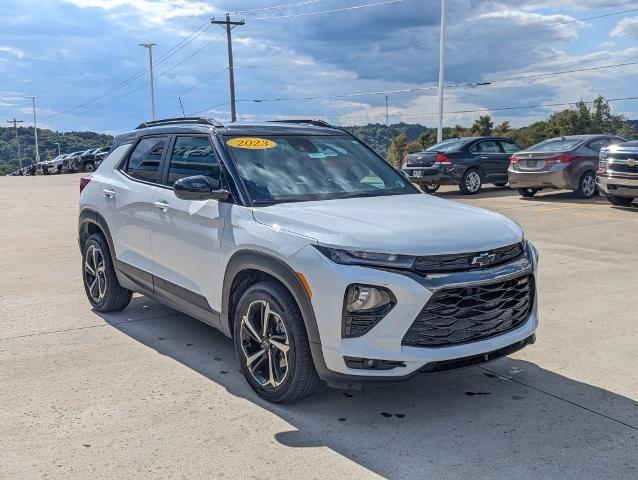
(251, 143)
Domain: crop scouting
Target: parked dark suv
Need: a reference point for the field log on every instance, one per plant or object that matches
(467, 162)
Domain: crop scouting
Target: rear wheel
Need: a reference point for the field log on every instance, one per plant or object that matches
(88, 167)
(527, 192)
(430, 187)
(471, 182)
(100, 281)
(620, 201)
(272, 345)
(587, 185)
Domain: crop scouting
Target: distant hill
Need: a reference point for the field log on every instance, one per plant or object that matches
(47, 139)
(379, 135)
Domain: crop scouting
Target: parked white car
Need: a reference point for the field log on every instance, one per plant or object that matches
(298, 241)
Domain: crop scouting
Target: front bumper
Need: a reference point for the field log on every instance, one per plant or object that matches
(556, 177)
(623, 186)
(329, 281)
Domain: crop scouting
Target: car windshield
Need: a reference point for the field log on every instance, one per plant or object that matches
(451, 145)
(555, 145)
(296, 168)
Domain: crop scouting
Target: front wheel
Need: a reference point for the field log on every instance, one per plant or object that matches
(587, 185)
(88, 167)
(620, 201)
(471, 182)
(272, 345)
(100, 281)
(527, 192)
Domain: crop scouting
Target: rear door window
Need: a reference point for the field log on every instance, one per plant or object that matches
(510, 147)
(144, 162)
(598, 144)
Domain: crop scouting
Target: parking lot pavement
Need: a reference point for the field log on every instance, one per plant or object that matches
(151, 393)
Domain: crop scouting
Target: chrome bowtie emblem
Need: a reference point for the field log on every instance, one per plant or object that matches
(483, 260)
(631, 162)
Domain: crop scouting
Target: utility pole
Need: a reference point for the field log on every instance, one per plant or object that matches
(58, 148)
(439, 132)
(231, 72)
(15, 125)
(150, 63)
(387, 117)
(35, 132)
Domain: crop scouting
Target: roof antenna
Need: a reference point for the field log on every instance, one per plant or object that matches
(181, 105)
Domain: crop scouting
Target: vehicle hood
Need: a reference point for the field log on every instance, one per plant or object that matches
(416, 224)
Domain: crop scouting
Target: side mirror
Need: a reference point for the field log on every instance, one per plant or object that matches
(198, 188)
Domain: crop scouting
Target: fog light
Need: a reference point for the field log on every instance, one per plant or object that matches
(361, 298)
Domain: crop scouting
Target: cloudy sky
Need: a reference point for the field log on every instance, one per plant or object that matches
(81, 59)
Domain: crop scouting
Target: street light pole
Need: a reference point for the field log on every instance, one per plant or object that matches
(58, 148)
(35, 132)
(150, 62)
(439, 132)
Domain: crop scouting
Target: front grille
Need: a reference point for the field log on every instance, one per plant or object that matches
(467, 314)
(623, 155)
(459, 262)
(622, 168)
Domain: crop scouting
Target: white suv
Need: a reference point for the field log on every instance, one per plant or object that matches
(298, 241)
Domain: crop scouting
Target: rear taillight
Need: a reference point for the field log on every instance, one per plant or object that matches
(84, 181)
(514, 160)
(441, 159)
(564, 158)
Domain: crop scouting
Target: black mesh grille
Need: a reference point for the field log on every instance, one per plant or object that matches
(466, 314)
(623, 167)
(459, 262)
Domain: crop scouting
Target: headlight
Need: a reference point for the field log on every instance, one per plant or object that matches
(356, 257)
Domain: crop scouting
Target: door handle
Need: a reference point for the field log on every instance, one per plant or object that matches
(484, 158)
(163, 206)
(108, 193)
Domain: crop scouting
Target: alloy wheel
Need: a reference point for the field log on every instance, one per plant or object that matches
(472, 182)
(265, 344)
(95, 273)
(589, 185)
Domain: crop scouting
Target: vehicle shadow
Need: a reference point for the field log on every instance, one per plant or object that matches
(486, 192)
(509, 419)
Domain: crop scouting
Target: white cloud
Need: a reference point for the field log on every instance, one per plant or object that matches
(12, 51)
(156, 12)
(627, 27)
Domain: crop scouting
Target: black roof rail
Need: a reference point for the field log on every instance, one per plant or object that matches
(181, 120)
(315, 121)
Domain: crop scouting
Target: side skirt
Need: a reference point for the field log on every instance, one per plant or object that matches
(168, 293)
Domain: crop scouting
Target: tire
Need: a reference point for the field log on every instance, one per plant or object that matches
(430, 187)
(527, 192)
(471, 182)
(587, 185)
(500, 184)
(88, 167)
(267, 374)
(100, 281)
(620, 201)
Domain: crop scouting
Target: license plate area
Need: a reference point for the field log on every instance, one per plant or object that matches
(532, 164)
(417, 173)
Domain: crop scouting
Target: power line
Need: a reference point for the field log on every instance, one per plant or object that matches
(172, 51)
(419, 89)
(275, 7)
(355, 7)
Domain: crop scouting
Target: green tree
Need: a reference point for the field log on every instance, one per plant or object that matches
(502, 129)
(483, 126)
(398, 148)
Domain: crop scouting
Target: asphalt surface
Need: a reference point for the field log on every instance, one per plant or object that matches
(150, 393)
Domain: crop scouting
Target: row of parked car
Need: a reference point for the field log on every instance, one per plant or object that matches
(75, 162)
(585, 164)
